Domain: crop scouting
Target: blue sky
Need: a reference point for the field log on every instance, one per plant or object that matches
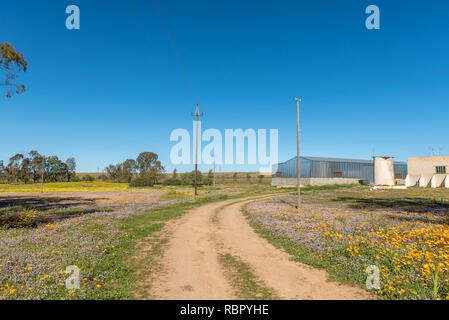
(100, 93)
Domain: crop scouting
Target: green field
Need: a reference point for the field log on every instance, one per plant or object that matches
(98, 186)
(64, 186)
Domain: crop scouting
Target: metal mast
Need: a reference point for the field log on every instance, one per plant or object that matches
(298, 157)
(196, 115)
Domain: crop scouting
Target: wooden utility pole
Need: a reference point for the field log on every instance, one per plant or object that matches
(42, 175)
(214, 172)
(196, 115)
(298, 160)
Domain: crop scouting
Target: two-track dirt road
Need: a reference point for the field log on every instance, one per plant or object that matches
(192, 269)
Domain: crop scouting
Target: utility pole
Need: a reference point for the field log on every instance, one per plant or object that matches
(214, 172)
(42, 175)
(196, 115)
(297, 154)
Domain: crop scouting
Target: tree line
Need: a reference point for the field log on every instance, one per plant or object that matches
(188, 178)
(28, 167)
(146, 169)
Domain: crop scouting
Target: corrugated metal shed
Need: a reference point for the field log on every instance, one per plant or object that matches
(319, 167)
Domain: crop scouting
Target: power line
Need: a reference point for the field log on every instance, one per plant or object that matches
(159, 56)
(158, 6)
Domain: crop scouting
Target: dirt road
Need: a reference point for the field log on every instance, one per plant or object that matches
(192, 269)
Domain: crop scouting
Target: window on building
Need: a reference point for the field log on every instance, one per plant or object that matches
(440, 169)
(338, 174)
(399, 176)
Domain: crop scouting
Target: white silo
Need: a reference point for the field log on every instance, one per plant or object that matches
(383, 171)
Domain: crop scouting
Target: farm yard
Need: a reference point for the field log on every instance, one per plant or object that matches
(405, 233)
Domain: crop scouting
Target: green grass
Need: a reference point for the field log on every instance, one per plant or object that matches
(246, 285)
(131, 265)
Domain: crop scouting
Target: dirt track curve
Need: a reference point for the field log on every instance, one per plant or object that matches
(192, 270)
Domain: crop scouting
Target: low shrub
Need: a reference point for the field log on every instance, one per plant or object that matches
(102, 177)
(142, 182)
(188, 178)
(87, 178)
(171, 182)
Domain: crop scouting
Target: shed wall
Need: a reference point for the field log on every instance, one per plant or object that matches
(327, 168)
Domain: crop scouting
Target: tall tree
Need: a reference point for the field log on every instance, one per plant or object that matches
(36, 164)
(112, 172)
(25, 170)
(12, 63)
(145, 161)
(149, 166)
(2, 171)
(71, 168)
(55, 169)
(14, 167)
(129, 168)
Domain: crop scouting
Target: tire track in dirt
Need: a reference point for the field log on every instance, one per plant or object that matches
(192, 270)
(290, 279)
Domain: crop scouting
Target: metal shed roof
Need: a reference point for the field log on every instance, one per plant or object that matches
(340, 160)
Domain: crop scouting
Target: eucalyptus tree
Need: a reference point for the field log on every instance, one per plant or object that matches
(12, 63)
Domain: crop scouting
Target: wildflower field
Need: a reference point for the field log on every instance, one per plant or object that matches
(405, 233)
(95, 230)
(41, 235)
(101, 186)
(64, 187)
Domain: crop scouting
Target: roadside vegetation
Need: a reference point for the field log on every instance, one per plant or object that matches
(404, 233)
(98, 232)
(245, 283)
